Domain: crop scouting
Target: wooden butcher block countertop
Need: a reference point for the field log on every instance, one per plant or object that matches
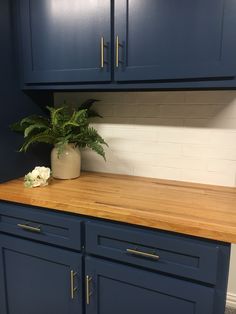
(194, 209)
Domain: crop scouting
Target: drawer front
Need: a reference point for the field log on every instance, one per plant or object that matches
(156, 250)
(34, 223)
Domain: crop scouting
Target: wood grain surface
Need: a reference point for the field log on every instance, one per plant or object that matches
(195, 209)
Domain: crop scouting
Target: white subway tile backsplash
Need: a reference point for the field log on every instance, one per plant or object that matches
(209, 97)
(191, 110)
(142, 133)
(222, 123)
(227, 137)
(196, 122)
(120, 144)
(178, 135)
(207, 177)
(222, 165)
(196, 150)
(154, 147)
(154, 97)
(104, 109)
(184, 135)
(159, 172)
(157, 121)
(223, 151)
(125, 110)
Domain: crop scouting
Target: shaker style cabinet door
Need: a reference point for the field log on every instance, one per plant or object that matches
(65, 41)
(174, 39)
(114, 288)
(38, 279)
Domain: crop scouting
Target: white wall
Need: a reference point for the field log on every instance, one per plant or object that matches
(188, 136)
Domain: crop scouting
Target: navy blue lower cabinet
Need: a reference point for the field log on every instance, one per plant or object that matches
(121, 269)
(114, 288)
(38, 279)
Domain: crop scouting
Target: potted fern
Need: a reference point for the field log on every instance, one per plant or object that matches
(67, 130)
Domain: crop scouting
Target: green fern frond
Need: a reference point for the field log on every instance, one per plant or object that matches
(17, 127)
(43, 137)
(55, 115)
(97, 148)
(93, 133)
(33, 127)
(34, 120)
(87, 104)
(78, 118)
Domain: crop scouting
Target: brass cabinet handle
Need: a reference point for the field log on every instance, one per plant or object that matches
(117, 51)
(29, 228)
(73, 289)
(102, 47)
(143, 254)
(118, 45)
(102, 52)
(88, 292)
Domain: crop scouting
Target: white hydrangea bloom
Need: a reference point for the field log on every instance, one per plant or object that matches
(35, 173)
(38, 177)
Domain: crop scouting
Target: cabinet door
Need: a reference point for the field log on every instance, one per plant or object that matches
(116, 289)
(37, 279)
(175, 39)
(15, 105)
(62, 40)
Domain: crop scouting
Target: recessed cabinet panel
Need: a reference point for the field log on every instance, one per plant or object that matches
(65, 41)
(36, 278)
(169, 39)
(156, 250)
(116, 289)
(33, 223)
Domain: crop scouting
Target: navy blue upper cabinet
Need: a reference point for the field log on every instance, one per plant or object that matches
(38, 279)
(65, 41)
(128, 43)
(174, 39)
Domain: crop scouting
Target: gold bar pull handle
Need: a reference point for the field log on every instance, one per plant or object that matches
(102, 47)
(118, 45)
(102, 52)
(73, 289)
(143, 254)
(117, 51)
(88, 292)
(29, 228)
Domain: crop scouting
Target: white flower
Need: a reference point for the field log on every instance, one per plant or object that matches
(34, 174)
(38, 177)
(43, 172)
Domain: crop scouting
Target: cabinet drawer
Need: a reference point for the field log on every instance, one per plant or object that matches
(170, 253)
(37, 224)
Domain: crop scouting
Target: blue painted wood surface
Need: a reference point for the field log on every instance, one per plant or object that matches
(163, 44)
(221, 84)
(180, 256)
(190, 276)
(119, 289)
(14, 104)
(56, 229)
(35, 279)
(61, 40)
(168, 39)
